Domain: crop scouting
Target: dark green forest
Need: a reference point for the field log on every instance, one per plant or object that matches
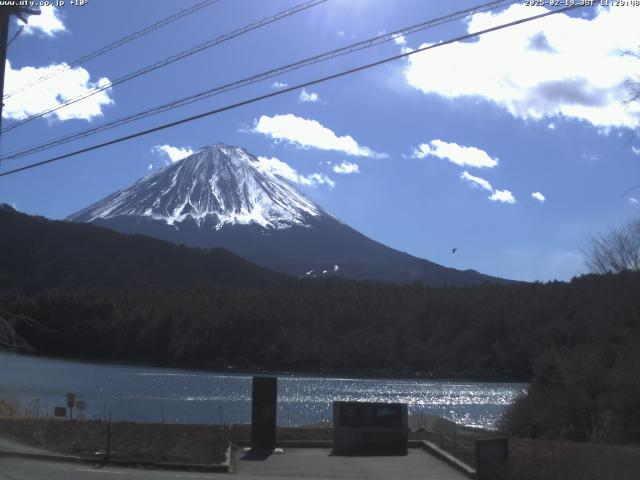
(578, 341)
(490, 331)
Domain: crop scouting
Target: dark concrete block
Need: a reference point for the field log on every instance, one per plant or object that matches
(264, 402)
(370, 428)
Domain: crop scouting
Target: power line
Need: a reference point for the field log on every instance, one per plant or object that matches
(114, 45)
(174, 58)
(288, 89)
(630, 190)
(15, 35)
(257, 78)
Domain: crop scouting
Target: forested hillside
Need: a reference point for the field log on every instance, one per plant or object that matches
(481, 331)
(37, 253)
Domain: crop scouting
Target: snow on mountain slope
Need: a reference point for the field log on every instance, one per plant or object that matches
(220, 182)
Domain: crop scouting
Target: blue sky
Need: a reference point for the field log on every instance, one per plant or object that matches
(514, 147)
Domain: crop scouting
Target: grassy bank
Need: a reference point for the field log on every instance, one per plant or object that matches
(535, 459)
(558, 460)
(199, 444)
(158, 442)
(8, 408)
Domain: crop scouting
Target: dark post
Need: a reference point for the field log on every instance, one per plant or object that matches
(5, 14)
(108, 447)
(492, 457)
(264, 401)
(71, 402)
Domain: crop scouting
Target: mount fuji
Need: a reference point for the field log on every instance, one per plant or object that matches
(223, 196)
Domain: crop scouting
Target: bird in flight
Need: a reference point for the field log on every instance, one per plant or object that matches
(454, 250)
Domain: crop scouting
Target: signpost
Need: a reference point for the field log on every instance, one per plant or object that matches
(367, 427)
(71, 402)
(60, 412)
(264, 402)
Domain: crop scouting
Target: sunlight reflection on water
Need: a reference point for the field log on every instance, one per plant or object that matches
(146, 394)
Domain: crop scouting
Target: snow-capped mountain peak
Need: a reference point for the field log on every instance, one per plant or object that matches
(221, 183)
(222, 196)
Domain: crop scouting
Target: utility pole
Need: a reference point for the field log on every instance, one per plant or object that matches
(5, 14)
(5, 17)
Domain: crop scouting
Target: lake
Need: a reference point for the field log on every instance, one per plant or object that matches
(152, 394)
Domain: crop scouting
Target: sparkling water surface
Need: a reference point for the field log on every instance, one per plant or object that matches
(151, 394)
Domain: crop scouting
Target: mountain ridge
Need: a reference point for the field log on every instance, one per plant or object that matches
(37, 253)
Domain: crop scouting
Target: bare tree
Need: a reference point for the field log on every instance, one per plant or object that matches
(633, 84)
(617, 250)
(9, 339)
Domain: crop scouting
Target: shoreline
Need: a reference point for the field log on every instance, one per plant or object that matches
(260, 371)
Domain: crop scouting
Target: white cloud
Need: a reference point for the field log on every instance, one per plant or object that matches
(476, 181)
(633, 201)
(318, 178)
(635, 150)
(57, 90)
(173, 153)
(345, 168)
(308, 96)
(275, 166)
(277, 84)
(590, 156)
(305, 133)
(551, 126)
(504, 196)
(48, 22)
(458, 154)
(538, 196)
(559, 67)
(400, 40)
(150, 167)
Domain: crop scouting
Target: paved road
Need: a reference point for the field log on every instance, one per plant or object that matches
(315, 464)
(318, 464)
(311, 463)
(24, 469)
